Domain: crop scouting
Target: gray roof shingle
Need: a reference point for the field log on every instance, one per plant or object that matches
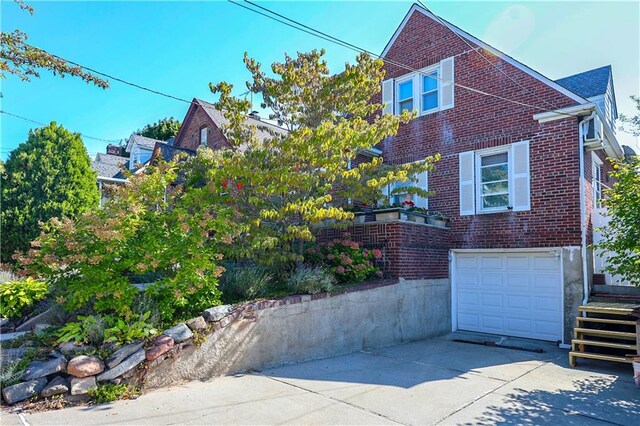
(589, 83)
(108, 166)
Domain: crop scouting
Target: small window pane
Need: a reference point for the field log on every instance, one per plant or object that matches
(495, 159)
(495, 201)
(429, 101)
(495, 188)
(493, 173)
(203, 135)
(430, 82)
(405, 90)
(406, 105)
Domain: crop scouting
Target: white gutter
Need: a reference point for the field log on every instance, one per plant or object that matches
(583, 214)
(114, 180)
(557, 114)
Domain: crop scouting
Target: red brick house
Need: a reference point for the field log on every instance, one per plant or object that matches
(523, 164)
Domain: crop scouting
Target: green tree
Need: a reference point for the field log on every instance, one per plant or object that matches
(621, 237)
(19, 58)
(47, 176)
(282, 185)
(161, 130)
(632, 124)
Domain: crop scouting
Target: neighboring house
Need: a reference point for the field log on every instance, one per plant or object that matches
(519, 180)
(203, 123)
(109, 168)
(140, 149)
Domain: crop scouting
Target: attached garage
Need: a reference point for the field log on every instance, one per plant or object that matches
(513, 293)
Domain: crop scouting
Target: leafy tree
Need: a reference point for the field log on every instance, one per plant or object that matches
(47, 176)
(621, 237)
(283, 185)
(161, 130)
(173, 234)
(25, 61)
(632, 124)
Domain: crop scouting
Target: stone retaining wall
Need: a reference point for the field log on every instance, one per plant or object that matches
(270, 333)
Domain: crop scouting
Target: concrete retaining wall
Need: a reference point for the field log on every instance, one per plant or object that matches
(299, 328)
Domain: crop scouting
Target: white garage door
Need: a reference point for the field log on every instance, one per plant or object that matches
(513, 294)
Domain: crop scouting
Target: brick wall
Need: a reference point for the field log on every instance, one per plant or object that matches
(410, 250)
(189, 135)
(476, 122)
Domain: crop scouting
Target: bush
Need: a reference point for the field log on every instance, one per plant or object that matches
(311, 280)
(89, 330)
(122, 332)
(17, 296)
(12, 372)
(110, 392)
(347, 260)
(244, 282)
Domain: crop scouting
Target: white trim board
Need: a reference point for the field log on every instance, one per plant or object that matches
(415, 8)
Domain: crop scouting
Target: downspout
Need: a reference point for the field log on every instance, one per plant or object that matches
(583, 213)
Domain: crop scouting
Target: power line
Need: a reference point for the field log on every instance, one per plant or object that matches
(482, 56)
(43, 124)
(317, 33)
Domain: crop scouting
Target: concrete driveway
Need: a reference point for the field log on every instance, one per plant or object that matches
(438, 381)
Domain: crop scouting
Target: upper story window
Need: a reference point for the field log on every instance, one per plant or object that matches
(204, 132)
(405, 95)
(427, 90)
(596, 181)
(495, 179)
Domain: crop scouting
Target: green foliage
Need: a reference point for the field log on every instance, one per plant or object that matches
(123, 332)
(621, 236)
(112, 392)
(6, 275)
(12, 372)
(310, 280)
(632, 124)
(17, 296)
(349, 262)
(19, 58)
(96, 330)
(282, 184)
(175, 234)
(88, 329)
(161, 130)
(244, 282)
(47, 176)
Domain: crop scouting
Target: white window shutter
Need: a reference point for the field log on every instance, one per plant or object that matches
(520, 177)
(467, 179)
(387, 96)
(446, 83)
(423, 183)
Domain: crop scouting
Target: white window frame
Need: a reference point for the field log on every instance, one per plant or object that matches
(425, 73)
(596, 180)
(478, 178)
(402, 80)
(204, 132)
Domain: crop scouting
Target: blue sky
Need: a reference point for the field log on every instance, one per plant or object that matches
(179, 47)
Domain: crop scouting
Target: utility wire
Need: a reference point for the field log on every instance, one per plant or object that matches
(43, 124)
(483, 56)
(310, 30)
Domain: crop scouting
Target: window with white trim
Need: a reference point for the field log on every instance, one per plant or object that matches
(405, 95)
(428, 90)
(204, 133)
(429, 99)
(495, 179)
(596, 181)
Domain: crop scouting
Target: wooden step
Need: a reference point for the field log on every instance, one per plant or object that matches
(605, 321)
(610, 308)
(583, 342)
(604, 333)
(573, 355)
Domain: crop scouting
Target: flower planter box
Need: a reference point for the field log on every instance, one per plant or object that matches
(434, 220)
(390, 214)
(416, 217)
(359, 217)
